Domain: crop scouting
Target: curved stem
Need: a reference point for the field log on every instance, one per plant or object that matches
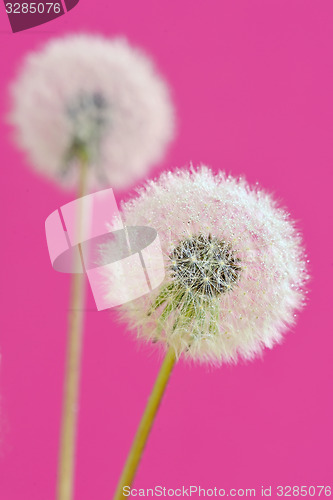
(146, 423)
(73, 361)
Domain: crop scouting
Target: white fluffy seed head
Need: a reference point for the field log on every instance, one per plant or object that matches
(235, 267)
(85, 93)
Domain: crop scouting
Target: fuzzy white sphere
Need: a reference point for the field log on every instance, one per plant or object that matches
(234, 261)
(85, 91)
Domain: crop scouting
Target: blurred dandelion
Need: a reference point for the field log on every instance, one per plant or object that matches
(235, 275)
(88, 112)
(85, 95)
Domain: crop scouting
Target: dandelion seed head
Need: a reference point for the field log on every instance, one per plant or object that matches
(235, 267)
(85, 94)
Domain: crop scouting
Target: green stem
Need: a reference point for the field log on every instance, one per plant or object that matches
(72, 374)
(146, 423)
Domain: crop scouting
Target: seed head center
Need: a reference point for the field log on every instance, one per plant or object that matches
(205, 265)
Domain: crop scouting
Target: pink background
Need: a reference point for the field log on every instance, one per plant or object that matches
(253, 85)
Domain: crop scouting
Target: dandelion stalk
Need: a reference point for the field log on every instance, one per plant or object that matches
(72, 374)
(146, 423)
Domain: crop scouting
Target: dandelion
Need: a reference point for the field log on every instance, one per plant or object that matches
(234, 261)
(88, 112)
(91, 97)
(235, 275)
